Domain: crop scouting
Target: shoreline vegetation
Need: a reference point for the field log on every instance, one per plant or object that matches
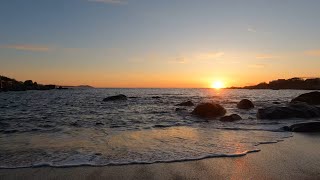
(293, 83)
(9, 84)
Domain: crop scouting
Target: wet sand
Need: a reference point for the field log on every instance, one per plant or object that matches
(294, 158)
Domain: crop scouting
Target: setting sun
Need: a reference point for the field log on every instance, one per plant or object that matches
(217, 85)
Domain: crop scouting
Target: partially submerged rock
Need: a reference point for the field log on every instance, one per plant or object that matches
(75, 124)
(293, 110)
(181, 109)
(99, 124)
(312, 98)
(187, 103)
(304, 127)
(119, 97)
(230, 118)
(209, 110)
(245, 104)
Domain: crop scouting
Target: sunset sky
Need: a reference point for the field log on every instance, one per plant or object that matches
(159, 43)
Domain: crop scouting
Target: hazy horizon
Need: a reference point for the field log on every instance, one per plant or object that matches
(159, 44)
(133, 87)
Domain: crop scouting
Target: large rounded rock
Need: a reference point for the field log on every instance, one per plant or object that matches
(293, 110)
(312, 98)
(245, 104)
(209, 110)
(305, 127)
(231, 118)
(187, 103)
(116, 98)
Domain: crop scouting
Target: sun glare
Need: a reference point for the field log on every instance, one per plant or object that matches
(217, 85)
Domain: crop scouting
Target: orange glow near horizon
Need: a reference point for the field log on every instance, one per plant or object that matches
(217, 85)
(120, 79)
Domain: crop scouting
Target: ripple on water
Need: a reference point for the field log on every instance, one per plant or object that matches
(75, 127)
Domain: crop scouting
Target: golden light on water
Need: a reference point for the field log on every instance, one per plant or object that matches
(217, 85)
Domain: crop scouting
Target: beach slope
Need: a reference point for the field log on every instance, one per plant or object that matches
(295, 158)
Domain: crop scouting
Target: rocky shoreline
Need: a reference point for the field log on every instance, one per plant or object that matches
(305, 106)
(9, 84)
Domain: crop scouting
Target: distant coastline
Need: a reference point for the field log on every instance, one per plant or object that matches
(293, 83)
(10, 84)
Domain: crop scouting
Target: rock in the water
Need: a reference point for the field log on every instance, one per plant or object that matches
(181, 109)
(231, 118)
(245, 104)
(209, 110)
(312, 98)
(75, 124)
(116, 98)
(99, 123)
(9, 131)
(155, 97)
(187, 103)
(305, 127)
(293, 110)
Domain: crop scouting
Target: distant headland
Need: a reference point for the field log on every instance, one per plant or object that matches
(9, 84)
(293, 83)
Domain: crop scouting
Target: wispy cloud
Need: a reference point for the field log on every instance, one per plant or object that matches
(266, 56)
(208, 55)
(27, 47)
(315, 53)
(257, 66)
(110, 1)
(179, 60)
(251, 29)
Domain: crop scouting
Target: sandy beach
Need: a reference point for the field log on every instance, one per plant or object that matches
(297, 157)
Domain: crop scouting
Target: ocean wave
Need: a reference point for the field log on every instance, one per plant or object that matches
(72, 128)
(50, 164)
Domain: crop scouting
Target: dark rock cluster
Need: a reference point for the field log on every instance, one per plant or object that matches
(8, 84)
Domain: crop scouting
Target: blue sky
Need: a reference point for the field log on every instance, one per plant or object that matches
(167, 43)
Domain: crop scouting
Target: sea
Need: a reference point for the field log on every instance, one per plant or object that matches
(75, 127)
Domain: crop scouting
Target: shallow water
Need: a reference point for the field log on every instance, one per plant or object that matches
(75, 127)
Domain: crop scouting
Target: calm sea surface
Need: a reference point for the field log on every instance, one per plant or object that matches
(75, 127)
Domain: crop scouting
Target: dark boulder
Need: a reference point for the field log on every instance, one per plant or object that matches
(245, 104)
(62, 88)
(293, 110)
(10, 131)
(305, 127)
(312, 98)
(99, 124)
(75, 124)
(155, 97)
(116, 98)
(181, 109)
(187, 103)
(231, 118)
(209, 110)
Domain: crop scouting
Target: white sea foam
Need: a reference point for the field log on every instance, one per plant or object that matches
(75, 127)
